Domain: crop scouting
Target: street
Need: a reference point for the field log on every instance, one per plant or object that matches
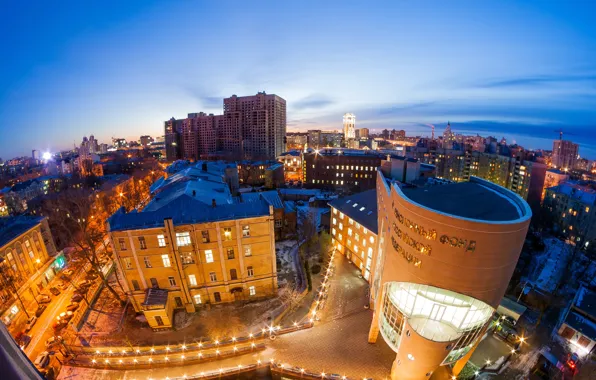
(336, 344)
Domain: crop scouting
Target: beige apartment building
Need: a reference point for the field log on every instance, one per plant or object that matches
(192, 245)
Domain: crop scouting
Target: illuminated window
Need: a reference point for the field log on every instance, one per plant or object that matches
(334, 221)
(227, 233)
(147, 261)
(333, 231)
(357, 237)
(161, 240)
(142, 242)
(245, 231)
(187, 258)
(341, 215)
(350, 221)
(335, 211)
(341, 226)
(208, 256)
(247, 251)
(122, 244)
(192, 279)
(349, 232)
(372, 239)
(183, 238)
(252, 291)
(230, 253)
(172, 281)
(197, 298)
(166, 261)
(127, 262)
(250, 271)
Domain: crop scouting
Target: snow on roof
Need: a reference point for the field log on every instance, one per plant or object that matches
(548, 273)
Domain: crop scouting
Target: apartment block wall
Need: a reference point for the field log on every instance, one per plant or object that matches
(211, 258)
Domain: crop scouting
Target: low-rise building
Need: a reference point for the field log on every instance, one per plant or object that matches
(284, 213)
(193, 244)
(578, 325)
(552, 178)
(571, 205)
(28, 262)
(354, 229)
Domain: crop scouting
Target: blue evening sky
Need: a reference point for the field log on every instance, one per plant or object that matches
(519, 69)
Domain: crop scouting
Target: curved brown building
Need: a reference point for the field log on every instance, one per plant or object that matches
(446, 254)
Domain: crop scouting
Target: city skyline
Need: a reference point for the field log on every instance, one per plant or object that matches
(418, 65)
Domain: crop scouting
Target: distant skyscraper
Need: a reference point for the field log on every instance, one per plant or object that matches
(251, 127)
(35, 154)
(364, 132)
(448, 137)
(349, 126)
(564, 154)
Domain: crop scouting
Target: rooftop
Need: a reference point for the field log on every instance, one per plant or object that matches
(155, 297)
(472, 200)
(361, 207)
(582, 324)
(586, 301)
(193, 194)
(271, 197)
(13, 226)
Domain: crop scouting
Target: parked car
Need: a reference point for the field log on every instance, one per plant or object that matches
(54, 291)
(65, 316)
(91, 276)
(40, 310)
(42, 360)
(59, 325)
(43, 298)
(22, 340)
(30, 322)
(84, 284)
(53, 341)
(73, 306)
(69, 272)
(76, 298)
(62, 286)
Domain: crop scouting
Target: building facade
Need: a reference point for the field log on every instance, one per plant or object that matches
(553, 178)
(292, 162)
(571, 207)
(445, 256)
(296, 140)
(577, 326)
(336, 168)
(354, 229)
(261, 173)
(192, 245)
(28, 262)
(565, 154)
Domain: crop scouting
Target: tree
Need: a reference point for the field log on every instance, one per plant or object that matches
(290, 295)
(78, 219)
(308, 276)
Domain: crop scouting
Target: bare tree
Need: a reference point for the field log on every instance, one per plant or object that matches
(79, 220)
(289, 295)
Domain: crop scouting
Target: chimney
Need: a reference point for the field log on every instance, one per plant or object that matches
(213, 204)
(204, 166)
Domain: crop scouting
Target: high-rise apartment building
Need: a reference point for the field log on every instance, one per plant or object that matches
(445, 256)
(364, 133)
(251, 127)
(35, 154)
(349, 126)
(564, 154)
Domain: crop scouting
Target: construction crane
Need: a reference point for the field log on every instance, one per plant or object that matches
(560, 131)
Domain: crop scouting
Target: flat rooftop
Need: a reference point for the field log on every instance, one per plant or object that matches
(466, 200)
